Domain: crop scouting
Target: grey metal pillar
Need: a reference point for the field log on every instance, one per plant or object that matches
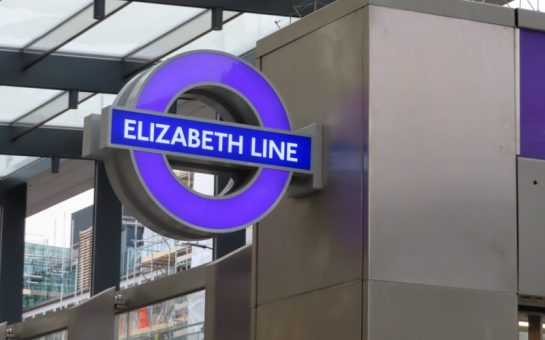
(415, 231)
(106, 234)
(12, 249)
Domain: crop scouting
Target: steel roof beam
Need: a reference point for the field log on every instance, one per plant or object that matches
(297, 8)
(275, 7)
(67, 72)
(42, 142)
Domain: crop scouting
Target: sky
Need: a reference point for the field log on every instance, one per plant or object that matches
(528, 4)
(52, 226)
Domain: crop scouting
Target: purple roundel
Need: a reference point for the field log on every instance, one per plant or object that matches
(207, 213)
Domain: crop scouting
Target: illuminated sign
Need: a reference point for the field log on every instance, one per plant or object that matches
(235, 143)
(138, 137)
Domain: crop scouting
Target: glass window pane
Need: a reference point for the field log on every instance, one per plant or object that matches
(57, 255)
(239, 35)
(17, 101)
(191, 29)
(178, 318)
(22, 21)
(129, 29)
(10, 164)
(75, 117)
(62, 335)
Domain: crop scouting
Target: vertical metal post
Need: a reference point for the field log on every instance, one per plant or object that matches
(106, 234)
(227, 243)
(12, 252)
(73, 99)
(217, 19)
(55, 165)
(99, 10)
(534, 327)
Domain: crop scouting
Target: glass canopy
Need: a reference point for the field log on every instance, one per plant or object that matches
(23, 21)
(130, 31)
(239, 35)
(74, 117)
(130, 28)
(10, 164)
(17, 101)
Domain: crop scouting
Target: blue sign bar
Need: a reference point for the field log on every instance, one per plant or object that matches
(221, 141)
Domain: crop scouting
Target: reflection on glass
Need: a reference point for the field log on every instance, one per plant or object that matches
(239, 35)
(23, 21)
(62, 335)
(179, 318)
(10, 164)
(523, 327)
(130, 28)
(74, 118)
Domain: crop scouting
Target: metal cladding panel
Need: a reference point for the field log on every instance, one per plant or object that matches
(442, 163)
(532, 98)
(315, 242)
(531, 234)
(228, 296)
(94, 319)
(331, 313)
(415, 312)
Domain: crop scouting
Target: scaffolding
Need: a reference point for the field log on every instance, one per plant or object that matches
(49, 273)
(155, 256)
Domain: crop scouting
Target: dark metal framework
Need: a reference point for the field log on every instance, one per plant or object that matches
(106, 234)
(12, 241)
(81, 77)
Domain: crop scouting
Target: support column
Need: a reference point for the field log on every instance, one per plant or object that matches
(12, 251)
(420, 177)
(228, 243)
(106, 234)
